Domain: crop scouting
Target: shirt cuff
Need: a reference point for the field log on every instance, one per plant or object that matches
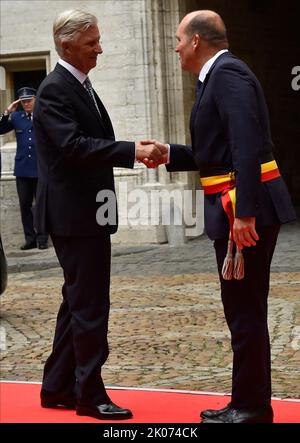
(169, 154)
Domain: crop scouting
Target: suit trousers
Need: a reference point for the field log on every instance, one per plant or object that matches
(245, 304)
(26, 188)
(80, 345)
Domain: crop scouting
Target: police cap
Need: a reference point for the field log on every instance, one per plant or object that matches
(26, 93)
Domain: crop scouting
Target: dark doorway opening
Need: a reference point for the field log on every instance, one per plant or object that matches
(31, 79)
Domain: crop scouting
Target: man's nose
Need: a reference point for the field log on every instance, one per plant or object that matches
(99, 49)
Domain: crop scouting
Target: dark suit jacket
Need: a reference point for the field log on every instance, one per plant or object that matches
(230, 131)
(76, 153)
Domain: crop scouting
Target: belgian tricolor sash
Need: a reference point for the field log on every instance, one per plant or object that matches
(226, 184)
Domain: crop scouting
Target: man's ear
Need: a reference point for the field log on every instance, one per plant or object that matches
(196, 42)
(65, 45)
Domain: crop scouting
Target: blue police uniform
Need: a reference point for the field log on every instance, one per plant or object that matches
(25, 168)
(25, 160)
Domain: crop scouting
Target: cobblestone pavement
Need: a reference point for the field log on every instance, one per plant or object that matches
(167, 328)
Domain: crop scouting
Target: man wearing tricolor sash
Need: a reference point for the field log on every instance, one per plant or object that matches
(246, 201)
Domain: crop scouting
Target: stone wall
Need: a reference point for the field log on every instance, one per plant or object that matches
(119, 77)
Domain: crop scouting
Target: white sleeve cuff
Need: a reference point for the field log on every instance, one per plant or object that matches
(169, 153)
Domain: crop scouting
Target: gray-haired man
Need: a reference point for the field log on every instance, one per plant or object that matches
(76, 154)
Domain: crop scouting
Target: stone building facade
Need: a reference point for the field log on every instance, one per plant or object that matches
(140, 81)
(138, 77)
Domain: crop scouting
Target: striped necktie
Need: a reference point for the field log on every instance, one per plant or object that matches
(88, 86)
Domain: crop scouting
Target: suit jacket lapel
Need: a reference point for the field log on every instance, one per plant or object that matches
(198, 99)
(105, 117)
(196, 105)
(80, 89)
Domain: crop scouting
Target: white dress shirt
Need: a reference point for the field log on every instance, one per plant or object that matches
(80, 76)
(206, 67)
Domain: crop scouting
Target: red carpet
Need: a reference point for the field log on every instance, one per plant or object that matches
(19, 403)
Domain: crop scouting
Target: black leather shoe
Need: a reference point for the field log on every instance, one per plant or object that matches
(108, 411)
(262, 415)
(212, 413)
(43, 246)
(30, 245)
(56, 401)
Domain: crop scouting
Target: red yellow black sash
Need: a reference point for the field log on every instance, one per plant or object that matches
(226, 184)
(219, 183)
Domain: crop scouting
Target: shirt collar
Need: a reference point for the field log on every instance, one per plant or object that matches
(206, 67)
(80, 76)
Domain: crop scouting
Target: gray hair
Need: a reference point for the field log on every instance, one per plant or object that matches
(69, 23)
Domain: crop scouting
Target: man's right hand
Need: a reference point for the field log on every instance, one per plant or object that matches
(13, 106)
(244, 232)
(148, 151)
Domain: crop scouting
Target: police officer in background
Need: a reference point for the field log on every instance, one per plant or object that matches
(25, 168)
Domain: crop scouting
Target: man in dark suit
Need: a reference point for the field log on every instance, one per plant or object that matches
(25, 168)
(246, 200)
(77, 151)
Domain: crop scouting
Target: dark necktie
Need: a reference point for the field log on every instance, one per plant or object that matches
(195, 107)
(198, 88)
(88, 86)
(29, 115)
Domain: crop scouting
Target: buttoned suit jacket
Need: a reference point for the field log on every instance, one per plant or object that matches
(25, 159)
(230, 132)
(76, 154)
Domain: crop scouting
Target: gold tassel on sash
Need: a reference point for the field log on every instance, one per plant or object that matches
(238, 266)
(227, 270)
(233, 266)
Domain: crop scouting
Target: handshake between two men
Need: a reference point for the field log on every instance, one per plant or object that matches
(152, 153)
